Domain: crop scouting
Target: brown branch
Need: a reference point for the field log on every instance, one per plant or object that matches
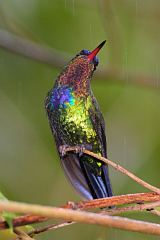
(116, 200)
(49, 228)
(112, 201)
(96, 203)
(155, 212)
(49, 56)
(135, 208)
(22, 235)
(82, 217)
(119, 168)
(139, 207)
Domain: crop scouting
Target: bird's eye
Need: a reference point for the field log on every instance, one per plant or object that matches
(96, 61)
(85, 52)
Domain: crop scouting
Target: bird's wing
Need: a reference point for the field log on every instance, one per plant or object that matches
(99, 124)
(99, 183)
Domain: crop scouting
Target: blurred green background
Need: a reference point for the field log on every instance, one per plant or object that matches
(29, 165)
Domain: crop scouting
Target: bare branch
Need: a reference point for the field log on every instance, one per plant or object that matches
(120, 169)
(155, 212)
(82, 217)
(49, 56)
(96, 203)
(139, 207)
(22, 235)
(135, 208)
(115, 201)
(49, 228)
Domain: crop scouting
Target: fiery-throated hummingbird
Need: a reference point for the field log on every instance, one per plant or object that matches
(76, 120)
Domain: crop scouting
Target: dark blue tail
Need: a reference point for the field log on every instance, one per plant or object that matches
(99, 184)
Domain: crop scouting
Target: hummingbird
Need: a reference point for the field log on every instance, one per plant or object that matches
(76, 120)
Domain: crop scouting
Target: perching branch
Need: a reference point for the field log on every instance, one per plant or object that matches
(97, 203)
(120, 169)
(82, 217)
(67, 213)
(49, 56)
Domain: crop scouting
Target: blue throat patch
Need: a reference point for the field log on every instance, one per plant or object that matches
(62, 97)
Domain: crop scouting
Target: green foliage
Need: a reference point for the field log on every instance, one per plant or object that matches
(7, 215)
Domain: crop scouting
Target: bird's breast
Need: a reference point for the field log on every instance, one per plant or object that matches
(72, 116)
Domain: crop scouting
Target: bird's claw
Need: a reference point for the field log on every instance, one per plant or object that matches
(62, 150)
(79, 149)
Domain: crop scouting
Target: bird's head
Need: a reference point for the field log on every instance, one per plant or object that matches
(81, 67)
(86, 57)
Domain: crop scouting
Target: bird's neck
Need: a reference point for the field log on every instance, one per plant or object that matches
(75, 78)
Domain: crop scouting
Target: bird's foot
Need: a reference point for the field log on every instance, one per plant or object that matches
(63, 149)
(79, 149)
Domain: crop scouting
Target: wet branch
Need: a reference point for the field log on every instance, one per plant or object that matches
(82, 217)
(35, 51)
(21, 235)
(92, 204)
(140, 207)
(68, 213)
(50, 227)
(119, 168)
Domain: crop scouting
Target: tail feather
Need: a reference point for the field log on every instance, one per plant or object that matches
(84, 178)
(74, 173)
(99, 184)
(107, 180)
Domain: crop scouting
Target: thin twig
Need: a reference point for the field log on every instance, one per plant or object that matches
(135, 208)
(155, 212)
(82, 217)
(120, 169)
(35, 51)
(49, 228)
(96, 203)
(22, 235)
